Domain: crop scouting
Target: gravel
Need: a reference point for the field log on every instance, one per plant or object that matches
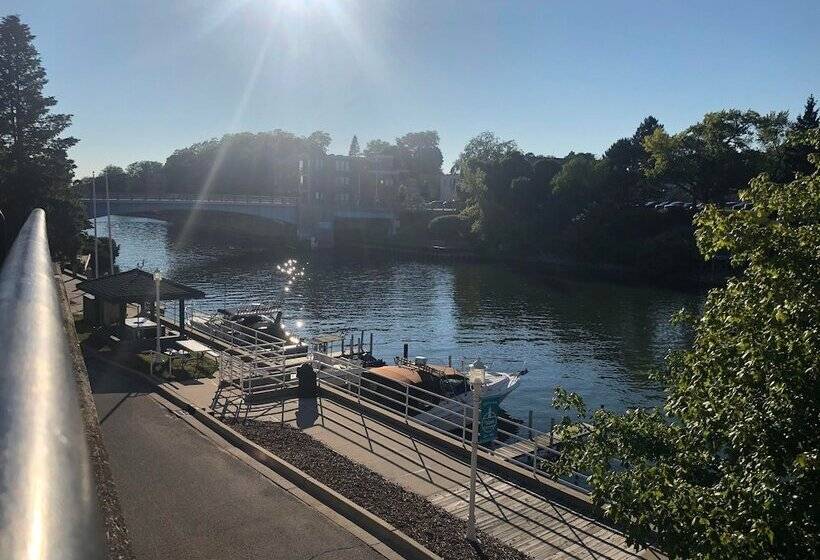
(431, 526)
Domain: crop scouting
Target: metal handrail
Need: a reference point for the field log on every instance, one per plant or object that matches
(48, 502)
(350, 374)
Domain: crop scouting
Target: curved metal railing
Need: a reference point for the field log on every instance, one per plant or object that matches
(48, 502)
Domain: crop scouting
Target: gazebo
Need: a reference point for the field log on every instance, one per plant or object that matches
(136, 286)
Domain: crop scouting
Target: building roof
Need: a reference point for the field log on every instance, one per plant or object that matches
(136, 286)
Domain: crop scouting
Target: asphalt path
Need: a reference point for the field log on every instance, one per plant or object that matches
(185, 496)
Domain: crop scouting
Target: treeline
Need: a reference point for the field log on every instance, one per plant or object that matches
(603, 209)
(243, 163)
(267, 163)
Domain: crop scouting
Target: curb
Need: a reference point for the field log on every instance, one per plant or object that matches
(397, 540)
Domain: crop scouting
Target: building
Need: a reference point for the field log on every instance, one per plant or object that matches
(331, 180)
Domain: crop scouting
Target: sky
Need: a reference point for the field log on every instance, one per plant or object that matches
(143, 78)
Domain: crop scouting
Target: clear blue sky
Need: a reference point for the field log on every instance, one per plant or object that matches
(144, 78)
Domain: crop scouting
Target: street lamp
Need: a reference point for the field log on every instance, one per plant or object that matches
(157, 280)
(477, 375)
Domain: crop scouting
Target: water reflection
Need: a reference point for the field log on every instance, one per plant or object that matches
(599, 339)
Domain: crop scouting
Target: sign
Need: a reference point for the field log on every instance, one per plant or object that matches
(488, 420)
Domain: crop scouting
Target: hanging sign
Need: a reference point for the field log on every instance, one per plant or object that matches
(488, 420)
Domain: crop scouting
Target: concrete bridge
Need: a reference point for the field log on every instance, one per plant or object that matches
(316, 224)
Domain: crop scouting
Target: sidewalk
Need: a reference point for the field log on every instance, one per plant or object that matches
(184, 496)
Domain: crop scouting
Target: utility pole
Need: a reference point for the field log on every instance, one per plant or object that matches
(110, 241)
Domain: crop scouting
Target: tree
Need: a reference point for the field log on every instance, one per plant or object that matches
(35, 170)
(483, 149)
(808, 120)
(320, 140)
(354, 150)
(730, 466)
(378, 147)
(146, 177)
(797, 151)
(709, 160)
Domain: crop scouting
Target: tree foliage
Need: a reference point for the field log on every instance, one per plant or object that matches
(729, 467)
(35, 170)
(354, 150)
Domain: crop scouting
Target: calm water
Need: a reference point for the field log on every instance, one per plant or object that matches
(598, 339)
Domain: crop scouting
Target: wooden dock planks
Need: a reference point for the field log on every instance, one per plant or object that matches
(534, 525)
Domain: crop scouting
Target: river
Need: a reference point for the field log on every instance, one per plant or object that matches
(599, 339)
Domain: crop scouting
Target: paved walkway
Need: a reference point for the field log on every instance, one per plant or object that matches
(184, 496)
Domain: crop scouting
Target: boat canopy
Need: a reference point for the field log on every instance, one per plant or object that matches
(398, 373)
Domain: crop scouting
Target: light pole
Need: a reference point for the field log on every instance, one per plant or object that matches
(96, 242)
(110, 241)
(478, 373)
(157, 280)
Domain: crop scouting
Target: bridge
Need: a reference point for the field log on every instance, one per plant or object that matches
(313, 223)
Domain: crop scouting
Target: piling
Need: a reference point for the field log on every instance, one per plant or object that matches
(529, 423)
(406, 350)
(371, 343)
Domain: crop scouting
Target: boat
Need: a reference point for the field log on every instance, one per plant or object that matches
(444, 381)
(252, 324)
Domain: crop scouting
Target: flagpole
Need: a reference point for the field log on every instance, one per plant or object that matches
(110, 242)
(94, 207)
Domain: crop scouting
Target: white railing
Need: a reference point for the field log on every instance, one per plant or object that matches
(447, 416)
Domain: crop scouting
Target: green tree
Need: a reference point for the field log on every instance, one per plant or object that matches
(378, 147)
(796, 152)
(320, 140)
(354, 150)
(35, 170)
(809, 119)
(146, 177)
(730, 466)
(710, 160)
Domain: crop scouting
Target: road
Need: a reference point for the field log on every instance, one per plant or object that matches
(184, 496)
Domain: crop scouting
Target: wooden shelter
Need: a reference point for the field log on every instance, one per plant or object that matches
(135, 286)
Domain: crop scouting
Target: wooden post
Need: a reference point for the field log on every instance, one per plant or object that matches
(361, 342)
(529, 423)
(405, 351)
(371, 343)
(450, 361)
(182, 316)
(352, 344)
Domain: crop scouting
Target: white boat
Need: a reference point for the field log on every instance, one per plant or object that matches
(450, 385)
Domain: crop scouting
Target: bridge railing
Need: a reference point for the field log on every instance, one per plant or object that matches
(48, 502)
(213, 198)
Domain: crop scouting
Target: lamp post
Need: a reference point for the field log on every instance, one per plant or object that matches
(110, 241)
(96, 241)
(157, 280)
(477, 376)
